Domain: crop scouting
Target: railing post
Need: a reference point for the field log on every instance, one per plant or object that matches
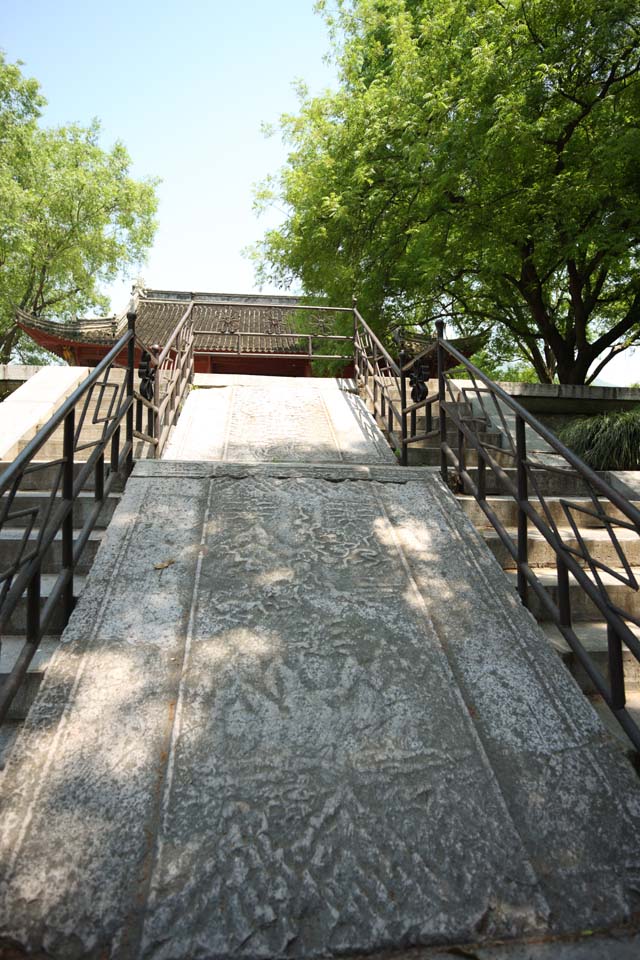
(462, 463)
(523, 497)
(33, 608)
(403, 410)
(67, 495)
(356, 357)
(481, 478)
(157, 427)
(442, 417)
(374, 362)
(564, 595)
(131, 359)
(616, 669)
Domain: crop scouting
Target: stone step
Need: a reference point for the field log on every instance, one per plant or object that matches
(610, 723)
(10, 649)
(582, 608)
(593, 637)
(486, 436)
(47, 474)
(506, 510)
(549, 483)
(11, 547)
(17, 623)
(541, 553)
(83, 504)
(427, 453)
(54, 449)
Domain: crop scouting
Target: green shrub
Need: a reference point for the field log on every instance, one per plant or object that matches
(609, 441)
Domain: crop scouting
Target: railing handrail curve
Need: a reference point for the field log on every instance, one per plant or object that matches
(58, 417)
(385, 353)
(618, 499)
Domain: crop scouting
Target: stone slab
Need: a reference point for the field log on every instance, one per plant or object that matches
(264, 419)
(293, 716)
(18, 372)
(212, 380)
(29, 407)
(626, 481)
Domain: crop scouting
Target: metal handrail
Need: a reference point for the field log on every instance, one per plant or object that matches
(175, 363)
(176, 333)
(576, 561)
(56, 516)
(555, 459)
(550, 438)
(372, 361)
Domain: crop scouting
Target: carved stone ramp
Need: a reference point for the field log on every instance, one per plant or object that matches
(299, 712)
(248, 418)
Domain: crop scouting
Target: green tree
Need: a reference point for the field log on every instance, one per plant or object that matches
(71, 217)
(478, 162)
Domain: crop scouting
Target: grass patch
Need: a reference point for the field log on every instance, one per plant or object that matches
(609, 441)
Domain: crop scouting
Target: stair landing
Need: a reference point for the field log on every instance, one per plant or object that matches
(298, 712)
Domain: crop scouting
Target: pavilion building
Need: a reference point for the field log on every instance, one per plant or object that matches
(234, 333)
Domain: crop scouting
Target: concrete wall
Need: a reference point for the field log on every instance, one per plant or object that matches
(562, 398)
(556, 404)
(13, 375)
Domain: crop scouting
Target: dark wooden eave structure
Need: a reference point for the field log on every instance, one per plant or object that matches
(220, 320)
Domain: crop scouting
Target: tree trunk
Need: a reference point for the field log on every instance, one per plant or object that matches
(8, 340)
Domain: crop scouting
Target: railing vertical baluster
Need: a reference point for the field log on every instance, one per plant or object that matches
(115, 450)
(356, 357)
(482, 478)
(428, 413)
(403, 411)
(67, 496)
(442, 417)
(564, 594)
(523, 497)
(414, 422)
(616, 669)
(131, 359)
(33, 607)
(156, 411)
(462, 465)
(98, 490)
(374, 362)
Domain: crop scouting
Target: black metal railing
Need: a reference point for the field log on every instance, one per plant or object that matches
(382, 381)
(527, 462)
(104, 400)
(172, 372)
(299, 330)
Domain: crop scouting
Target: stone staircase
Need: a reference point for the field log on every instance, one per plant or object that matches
(427, 452)
(586, 619)
(35, 495)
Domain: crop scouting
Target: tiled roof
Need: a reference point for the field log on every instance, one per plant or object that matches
(221, 319)
(219, 326)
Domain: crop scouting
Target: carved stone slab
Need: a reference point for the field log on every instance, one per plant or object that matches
(297, 716)
(273, 419)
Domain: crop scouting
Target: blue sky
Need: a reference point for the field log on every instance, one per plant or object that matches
(186, 86)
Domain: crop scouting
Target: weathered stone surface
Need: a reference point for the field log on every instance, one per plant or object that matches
(24, 411)
(277, 419)
(324, 725)
(298, 712)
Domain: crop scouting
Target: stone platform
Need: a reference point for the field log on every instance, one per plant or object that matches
(299, 712)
